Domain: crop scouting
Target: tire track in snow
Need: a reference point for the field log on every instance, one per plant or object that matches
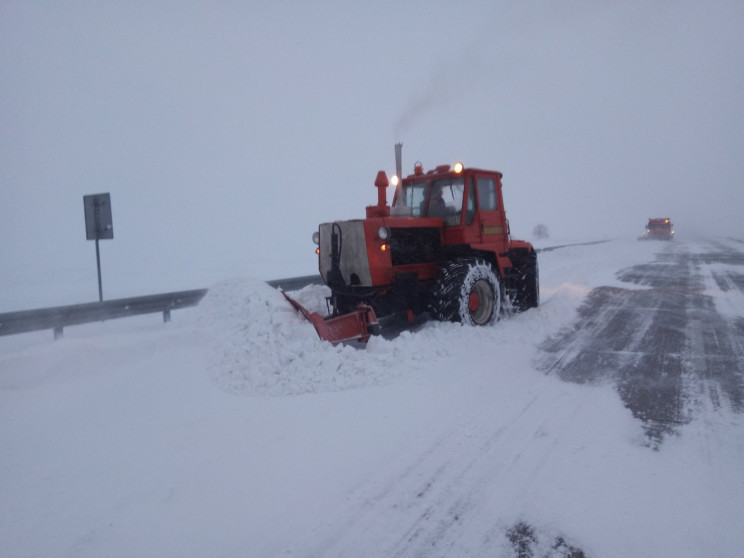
(449, 490)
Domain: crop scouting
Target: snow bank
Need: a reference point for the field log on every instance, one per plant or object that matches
(260, 345)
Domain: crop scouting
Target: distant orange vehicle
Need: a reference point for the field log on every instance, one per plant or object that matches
(659, 228)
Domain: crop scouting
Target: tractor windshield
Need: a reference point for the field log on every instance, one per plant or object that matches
(410, 198)
(659, 225)
(440, 198)
(445, 199)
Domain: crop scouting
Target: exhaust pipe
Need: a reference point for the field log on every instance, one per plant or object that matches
(399, 161)
(399, 167)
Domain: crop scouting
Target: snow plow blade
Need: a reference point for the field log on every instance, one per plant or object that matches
(354, 327)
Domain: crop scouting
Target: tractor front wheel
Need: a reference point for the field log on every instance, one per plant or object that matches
(468, 291)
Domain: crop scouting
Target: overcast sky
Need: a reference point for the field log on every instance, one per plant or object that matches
(226, 131)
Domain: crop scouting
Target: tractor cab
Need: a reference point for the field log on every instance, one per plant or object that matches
(468, 201)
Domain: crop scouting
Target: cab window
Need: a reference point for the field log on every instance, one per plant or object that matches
(487, 194)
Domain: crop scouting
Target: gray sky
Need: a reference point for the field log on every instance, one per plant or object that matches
(226, 131)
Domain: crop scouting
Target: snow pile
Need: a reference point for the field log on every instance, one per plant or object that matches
(260, 345)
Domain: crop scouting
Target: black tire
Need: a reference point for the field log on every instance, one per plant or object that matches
(467, 291)
(528, 289)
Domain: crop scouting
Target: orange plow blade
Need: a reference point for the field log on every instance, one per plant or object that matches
(356, 326)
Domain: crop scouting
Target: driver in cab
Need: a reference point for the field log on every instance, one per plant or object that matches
(437, 207)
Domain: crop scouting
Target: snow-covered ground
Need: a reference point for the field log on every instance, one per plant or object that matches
(233, 431)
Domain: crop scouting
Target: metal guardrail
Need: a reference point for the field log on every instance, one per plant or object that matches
(559, 246)
(296, 283)
(58, 317)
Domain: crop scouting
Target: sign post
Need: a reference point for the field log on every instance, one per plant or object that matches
(98, 225)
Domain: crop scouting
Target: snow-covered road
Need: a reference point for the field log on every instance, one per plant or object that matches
(670, 350)
(232, 431)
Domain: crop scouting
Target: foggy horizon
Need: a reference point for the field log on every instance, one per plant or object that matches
(226, 132)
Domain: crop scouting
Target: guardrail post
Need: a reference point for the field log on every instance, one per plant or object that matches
(166, 316)
(57, 333)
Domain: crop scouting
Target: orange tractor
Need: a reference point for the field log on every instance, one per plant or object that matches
(658, 228)
(441, 249)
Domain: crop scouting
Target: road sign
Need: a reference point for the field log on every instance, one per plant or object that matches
(98, 225)
(98, 222)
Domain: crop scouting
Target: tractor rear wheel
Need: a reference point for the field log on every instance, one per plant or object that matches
(528, 291)
(467, 291)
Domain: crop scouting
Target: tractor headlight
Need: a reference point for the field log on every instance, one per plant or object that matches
(383, 233)
(316, 237)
